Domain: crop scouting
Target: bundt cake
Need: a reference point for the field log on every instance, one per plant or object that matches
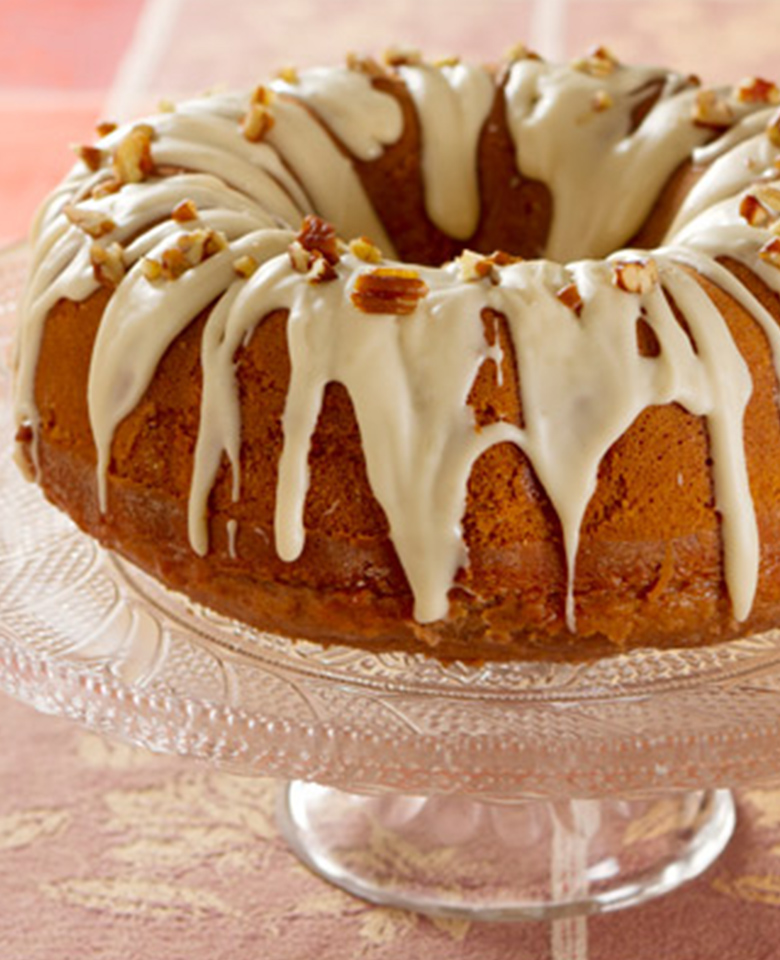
(478, 362)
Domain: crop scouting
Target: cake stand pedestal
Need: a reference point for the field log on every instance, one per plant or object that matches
(538, 860)
(502, 792)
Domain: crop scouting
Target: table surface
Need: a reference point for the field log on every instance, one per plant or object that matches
(107, 851)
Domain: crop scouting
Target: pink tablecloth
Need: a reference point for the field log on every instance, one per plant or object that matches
(107, 852)
(110, 853)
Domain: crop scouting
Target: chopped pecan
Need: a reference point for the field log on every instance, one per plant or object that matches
(105, 127)
(519, 51)
(635, 276)
(570, 297)
(476, 266)
(389, 290)
(757, 90)
(402, 57)
(105, 187)
(184, 212)
(151, 269)
(92, 157)
(108, 264)
(711, 109)
(289, 75)
(133, 157)
(366, 65)
(317, 234)
(245, 266)
(754, 212)
(602, 100)
(365, 250)
(770, 252)
(598, 63)
(258, 119)
(299, 256)
(321, 270)
(191, 249)
(92, 222)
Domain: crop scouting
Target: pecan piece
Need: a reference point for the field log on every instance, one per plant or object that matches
(91, 157)
(402, 57)
(245, 266)
(92, 222)
(317, 234)
(389, 290)
(258, 119)
(184, 212)
(475, 266)
(757, 90)
(108, 264)
(365, 250)
(712, 110)
(635, 276)
(570, 297)
(770, 252)
(753, 211)
(598, 63)
(133, 157)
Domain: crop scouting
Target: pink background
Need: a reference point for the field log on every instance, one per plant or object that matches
(107, 852)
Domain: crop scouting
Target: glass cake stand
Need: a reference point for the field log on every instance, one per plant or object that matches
(502, 792)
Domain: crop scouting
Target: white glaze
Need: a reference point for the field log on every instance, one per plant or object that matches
(409, 377)
(452, 103)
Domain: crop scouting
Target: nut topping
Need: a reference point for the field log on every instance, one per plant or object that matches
(92, 157)
(133, 157)
(365, 250)
(754, 212)
(400, 57)
(770, 252)
(599, 63)
(108, 264)
(711, 109)
(245, 266)
(366, 65)
(105, 127)
(446, 62)
(757, 90)
(92, 222)
(191, 249)
(315, 251)
(519, 51)
(475, 266)
(185, 212)
(317, 234)
(389, 290)
(321, 270)
(288, 75)
(635, 276)
(570, 297)
(258, 119)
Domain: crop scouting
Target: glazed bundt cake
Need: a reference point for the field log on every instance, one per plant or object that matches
(479, 362)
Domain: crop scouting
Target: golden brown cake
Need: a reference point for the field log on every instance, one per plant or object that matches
(475, 362)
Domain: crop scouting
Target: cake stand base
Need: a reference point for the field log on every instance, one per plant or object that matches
(454, 856)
